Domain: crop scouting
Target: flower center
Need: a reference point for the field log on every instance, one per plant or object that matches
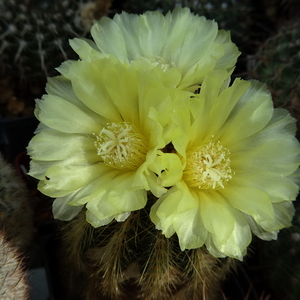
(208, 166)
(159, 61)
(121, 146)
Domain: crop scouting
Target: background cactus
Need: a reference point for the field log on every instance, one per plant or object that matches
(277, 63)
(13, 281)
(133, 260)
(34, 37)
(15, 209)
(279, 263)
(34, 34)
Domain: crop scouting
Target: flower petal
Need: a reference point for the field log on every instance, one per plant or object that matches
(124, 196)
(284, 212)
(190, 230)
(63, 211)
(216, 215)
(229, 231)
(279, 188)
(105, 31)
(180, 39)
(169, 169)
(224, 103)
(176, 201)
(94, 221)
(54, 145)
(249, 200)
(231, 52)
(89, 85)
(86, 49)
(60, 181)
(61, 115)
(259, 231)
(251, 114)
(266, 155)
(101, 208)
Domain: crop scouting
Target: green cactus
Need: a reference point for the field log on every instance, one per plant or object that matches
(13, 281)
(277, 63)
(34, 34)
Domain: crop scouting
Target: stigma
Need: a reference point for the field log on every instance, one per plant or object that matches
(121, 146)
(208, 166)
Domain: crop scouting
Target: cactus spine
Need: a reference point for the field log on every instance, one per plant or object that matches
(133, 259)
(34, 34)
(13, 281)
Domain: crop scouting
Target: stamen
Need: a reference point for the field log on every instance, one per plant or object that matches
(159, 61)
(121, 146)
(208, 166)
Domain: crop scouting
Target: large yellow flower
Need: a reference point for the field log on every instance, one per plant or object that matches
(237, 160)
(101, 126)
(180, 39)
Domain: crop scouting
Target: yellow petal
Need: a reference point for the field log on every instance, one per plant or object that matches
(176, 201)
(38, 168)
(89, 85)
(47, 145)
(225, 103)
(101, 208)
(105, 31)
(284, 212)
(251, 114)
(231, 52)
(61, 115)
(230, 233)
(279, 188)
(279, 156)
(86, 49)
(180, 39)
(190, 230)
(168, 167)
(250, 201)
(216, 214)
(95, 221)
(63, 211)
(60, 181)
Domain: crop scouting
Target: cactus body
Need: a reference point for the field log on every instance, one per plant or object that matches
(13, 281)
(277, 63)
(133, 260)
(15, 208)
(34, 34)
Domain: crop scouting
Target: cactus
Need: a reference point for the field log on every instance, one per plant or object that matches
(15, 209)
(279, 11)
(279, 262)
(277, 63)
(34, 34)
(13, 281)
(133, 260)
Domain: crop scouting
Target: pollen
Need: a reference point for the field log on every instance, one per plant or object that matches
(157, 61)
(208, 166)
(121, 146)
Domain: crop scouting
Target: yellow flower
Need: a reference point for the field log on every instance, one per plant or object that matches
(180, 39)
(234, 170)
(101, 126)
